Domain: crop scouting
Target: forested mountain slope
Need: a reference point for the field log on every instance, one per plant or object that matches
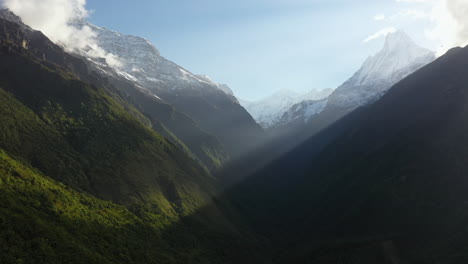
(74, 151)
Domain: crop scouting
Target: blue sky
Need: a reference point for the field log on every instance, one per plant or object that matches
(258, 47)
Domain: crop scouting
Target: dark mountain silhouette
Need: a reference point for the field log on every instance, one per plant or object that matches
(391, 171)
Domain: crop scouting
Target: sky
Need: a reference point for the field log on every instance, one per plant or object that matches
(258, 47)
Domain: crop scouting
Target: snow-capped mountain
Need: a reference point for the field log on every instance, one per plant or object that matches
(200, 113)
(141, 62)
(302, 112)
(399, 57)
(223, 87)
(270, 110)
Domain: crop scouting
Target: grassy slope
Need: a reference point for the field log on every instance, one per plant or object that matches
(43, 221)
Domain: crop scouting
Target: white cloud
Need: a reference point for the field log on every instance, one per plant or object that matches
(447, 23)
(54, 18)
(450, 24)
(459, 12)
(381, 33)
(379, 17)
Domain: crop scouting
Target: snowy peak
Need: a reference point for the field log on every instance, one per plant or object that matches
(270, 110)
(302, 112)
(141, 62)
(399, 57)
(397, 41)
(284, 93)
(278, 98)
(133, 58)
(399, 52)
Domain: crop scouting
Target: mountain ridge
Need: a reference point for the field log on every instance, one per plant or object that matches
(211, 105)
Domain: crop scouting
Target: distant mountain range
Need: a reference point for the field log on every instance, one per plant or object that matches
(301, 112)
(270, 110)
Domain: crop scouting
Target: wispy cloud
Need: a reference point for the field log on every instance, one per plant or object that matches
(55, 19)
(379, 17)
(447, 20)
(459, 11)
(449, 24)
(381, 33)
